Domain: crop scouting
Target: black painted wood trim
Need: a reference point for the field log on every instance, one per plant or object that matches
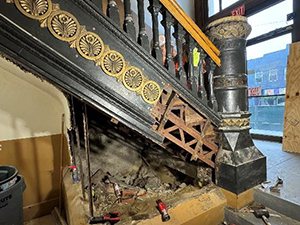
(42, 60)
(37, 58)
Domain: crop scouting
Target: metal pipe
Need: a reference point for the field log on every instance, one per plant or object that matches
(87, 152)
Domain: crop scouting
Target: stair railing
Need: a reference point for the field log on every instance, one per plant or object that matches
(196, 56)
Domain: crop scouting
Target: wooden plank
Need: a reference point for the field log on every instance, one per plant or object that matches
(194, 133)
(291, 132)
(188, 148)
(165, 116)
(193, 29)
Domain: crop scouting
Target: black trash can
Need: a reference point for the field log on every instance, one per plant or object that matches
(12, 186)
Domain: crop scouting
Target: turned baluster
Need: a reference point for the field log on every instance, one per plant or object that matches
(143, 37)
(212, 99)
(128, 25)
(192, 78)
(201, 89)
(179, 36)
(113, 11)
(154, 8)
(167, 23)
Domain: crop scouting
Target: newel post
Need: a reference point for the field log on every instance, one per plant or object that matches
(240, 165)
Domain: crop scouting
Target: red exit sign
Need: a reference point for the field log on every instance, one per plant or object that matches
(239, 11)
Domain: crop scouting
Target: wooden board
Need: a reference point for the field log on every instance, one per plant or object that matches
(291, 132)
(37, 159)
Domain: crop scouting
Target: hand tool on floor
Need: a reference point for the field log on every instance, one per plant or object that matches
(263, 214)
(163, 210)
(109, 218)
(278, 184)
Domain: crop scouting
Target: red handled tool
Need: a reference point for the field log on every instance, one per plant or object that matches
(163, 210)
(110, 218)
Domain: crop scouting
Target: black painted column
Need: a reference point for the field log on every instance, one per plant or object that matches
(240, 165)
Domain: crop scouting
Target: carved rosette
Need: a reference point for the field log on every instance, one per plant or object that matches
(151, 92)
(90, 46)
(34, 9)
(227, 27)
(64, 26)
(113, 63)
(133, 78)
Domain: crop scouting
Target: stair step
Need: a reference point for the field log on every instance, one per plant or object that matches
(241, 218)
(277, 203)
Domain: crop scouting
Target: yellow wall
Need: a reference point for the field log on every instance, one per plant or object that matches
(30, 135)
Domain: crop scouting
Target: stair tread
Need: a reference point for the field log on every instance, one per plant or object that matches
(242, 218)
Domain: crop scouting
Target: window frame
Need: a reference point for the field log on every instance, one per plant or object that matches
(269, 76)
(261, 73)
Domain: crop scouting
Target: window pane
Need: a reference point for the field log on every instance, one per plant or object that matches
(266, 84)
(270, 19)
(213, 7)
(226, 3)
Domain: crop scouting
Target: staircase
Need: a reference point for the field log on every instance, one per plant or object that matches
(84, 52)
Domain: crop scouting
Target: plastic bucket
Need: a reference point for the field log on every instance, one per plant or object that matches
(11, 196)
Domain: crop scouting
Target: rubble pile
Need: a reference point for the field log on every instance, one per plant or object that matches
(135, 194)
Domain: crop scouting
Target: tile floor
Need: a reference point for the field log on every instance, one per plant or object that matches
(286, 165)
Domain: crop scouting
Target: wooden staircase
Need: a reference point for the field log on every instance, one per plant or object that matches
(84, 52)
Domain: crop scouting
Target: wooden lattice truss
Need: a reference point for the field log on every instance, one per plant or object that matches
(186, 128)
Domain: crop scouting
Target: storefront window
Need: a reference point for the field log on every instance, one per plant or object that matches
(213, 7)
(270, 19)
(226, 3)
(267, 63)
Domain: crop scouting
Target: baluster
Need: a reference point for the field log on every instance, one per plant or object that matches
(167, 22)
(212, 99)
(201, 89)
(128, 26)
(143, 37)
(179, 35)
(113, 11)
(98, 3)
(154, 8)
(192, 80)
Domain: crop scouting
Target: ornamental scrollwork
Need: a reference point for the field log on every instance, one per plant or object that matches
(90, 46)
(113, 63)
(151, 92)
(63, 25)
(34, 9)
(236, 122)
(232, 26)
(133, 78)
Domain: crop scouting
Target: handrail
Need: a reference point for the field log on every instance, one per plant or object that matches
(191, 27)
